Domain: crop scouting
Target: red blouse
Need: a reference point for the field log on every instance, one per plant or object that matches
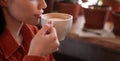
(10, 50)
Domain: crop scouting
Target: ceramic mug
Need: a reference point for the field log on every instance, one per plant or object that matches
(61, 21)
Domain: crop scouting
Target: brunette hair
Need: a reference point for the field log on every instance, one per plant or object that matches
(2, 21)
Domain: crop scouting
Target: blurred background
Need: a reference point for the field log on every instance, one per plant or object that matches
(94, 14)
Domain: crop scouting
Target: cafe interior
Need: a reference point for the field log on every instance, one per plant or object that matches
(94, 35)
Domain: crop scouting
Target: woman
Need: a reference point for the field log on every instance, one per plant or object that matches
(20, 40)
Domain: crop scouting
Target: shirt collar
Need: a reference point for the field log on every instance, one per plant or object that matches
(9, 45)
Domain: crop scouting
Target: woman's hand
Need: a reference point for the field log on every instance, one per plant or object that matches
(44, 42)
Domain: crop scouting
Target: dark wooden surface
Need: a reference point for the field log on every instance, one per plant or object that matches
(107, 40)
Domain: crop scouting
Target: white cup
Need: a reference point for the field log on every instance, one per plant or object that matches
(61, 21)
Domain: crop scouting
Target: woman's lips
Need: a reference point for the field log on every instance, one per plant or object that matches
(37, 15)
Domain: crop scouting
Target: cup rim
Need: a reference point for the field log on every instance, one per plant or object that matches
(68, 15)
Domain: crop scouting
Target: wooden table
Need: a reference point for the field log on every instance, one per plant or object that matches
(106, 39)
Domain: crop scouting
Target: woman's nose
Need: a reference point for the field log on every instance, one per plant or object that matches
(42, 4)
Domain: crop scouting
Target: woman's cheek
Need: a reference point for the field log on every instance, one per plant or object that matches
(34, 2)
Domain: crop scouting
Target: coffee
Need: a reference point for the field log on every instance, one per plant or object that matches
(56, 19)
(57, 15)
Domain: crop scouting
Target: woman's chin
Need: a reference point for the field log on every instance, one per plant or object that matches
(36, 23)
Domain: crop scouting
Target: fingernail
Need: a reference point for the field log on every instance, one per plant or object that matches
(51, 23)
